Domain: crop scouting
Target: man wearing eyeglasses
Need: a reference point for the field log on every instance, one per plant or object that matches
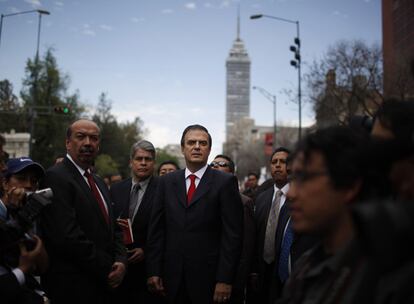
(133, 199)
(195, 231)
(225, 164)
(327, 180)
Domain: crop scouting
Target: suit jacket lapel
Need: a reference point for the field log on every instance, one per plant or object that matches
(179, 185)
(125, 192)
(107, 201)
(85, 187)
(149, 192)
(268, 205)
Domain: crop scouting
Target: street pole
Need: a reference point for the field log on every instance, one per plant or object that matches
(40, 12)
(32, 108)
(299, 64)
(296, 63)
(272, 99)
(274, 124)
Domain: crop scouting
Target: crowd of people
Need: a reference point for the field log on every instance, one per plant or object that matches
(332, 225)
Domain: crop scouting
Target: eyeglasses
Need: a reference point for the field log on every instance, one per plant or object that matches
(222, 164)
(141, 158)
(304, 176)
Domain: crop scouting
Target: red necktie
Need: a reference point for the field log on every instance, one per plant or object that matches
(192, 188)
(98, 197)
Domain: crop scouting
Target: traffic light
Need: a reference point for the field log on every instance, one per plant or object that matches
(62, 109)
(296, 51)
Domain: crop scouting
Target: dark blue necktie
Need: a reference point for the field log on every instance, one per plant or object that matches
(285, 252)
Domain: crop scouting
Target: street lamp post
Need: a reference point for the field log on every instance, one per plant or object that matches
(32, 111)
(40, 12)
(272, 99)
(295, 63)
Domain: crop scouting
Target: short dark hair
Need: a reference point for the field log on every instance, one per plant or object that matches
(168, 162)
(253, 173)
(195, 127)
(69, 128)
(231, 162)
(280, 149)
(342, 149)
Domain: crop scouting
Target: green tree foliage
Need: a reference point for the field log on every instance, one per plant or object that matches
(9, 107)
(105, 165)
(162, 156)
(45, 87)
(116, 138)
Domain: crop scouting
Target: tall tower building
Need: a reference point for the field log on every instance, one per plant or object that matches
(238, 83)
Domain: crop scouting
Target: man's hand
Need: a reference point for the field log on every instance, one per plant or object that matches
(116, 276)
(222, 293)
(28, 260)
(15, 197)
(136, 255)
(155, 285)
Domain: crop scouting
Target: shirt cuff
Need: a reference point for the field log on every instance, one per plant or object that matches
(18, 273)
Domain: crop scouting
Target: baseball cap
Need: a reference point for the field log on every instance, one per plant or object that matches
(16, 165)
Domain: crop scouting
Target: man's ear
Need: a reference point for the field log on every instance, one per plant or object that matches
(67, 144)
(352, 193)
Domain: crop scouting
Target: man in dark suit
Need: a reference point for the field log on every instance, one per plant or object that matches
(196, 228)
(226, 164)
(133, 199)
(87, 257)
(277, 248)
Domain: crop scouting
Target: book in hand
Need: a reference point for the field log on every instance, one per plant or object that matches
(126, 227)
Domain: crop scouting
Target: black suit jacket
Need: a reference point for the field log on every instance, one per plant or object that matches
(82, 247)
(246, 259)
(263, 205)
(120, 195)
(194, 246)
(300, 243)
(11, 292)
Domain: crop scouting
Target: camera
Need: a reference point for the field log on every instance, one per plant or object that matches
(22, 220)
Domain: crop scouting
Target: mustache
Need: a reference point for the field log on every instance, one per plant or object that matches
(86, 149)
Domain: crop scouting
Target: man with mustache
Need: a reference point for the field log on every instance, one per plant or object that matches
(87, 257)
(271, 217)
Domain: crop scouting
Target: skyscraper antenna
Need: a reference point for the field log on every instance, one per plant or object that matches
(238, 22)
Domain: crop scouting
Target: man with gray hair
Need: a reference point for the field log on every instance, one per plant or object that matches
(133, 198)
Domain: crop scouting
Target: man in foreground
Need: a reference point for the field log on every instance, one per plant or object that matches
(87, 257)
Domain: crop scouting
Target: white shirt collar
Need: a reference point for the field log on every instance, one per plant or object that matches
(142, 184)
(81, 171)
(284, 189)
(198, 173)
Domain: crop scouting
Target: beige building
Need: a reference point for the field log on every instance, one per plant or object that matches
(17, 144)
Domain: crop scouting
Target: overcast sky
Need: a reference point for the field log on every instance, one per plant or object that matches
(164, 60)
